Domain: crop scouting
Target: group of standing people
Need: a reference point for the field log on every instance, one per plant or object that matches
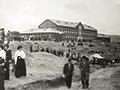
(6, 60)
(84, 68)
(36, 48)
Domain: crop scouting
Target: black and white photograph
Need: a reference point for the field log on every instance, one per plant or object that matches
(59, 44)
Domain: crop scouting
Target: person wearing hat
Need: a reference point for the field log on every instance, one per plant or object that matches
(68, 72)
(20, 66)
(85, 70)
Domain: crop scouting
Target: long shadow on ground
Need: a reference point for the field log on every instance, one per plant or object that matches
(115, 80)
(42, 84)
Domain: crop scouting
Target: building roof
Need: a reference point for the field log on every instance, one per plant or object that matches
(88, 27)
(48, 30)
(71, 24)
(65, 23)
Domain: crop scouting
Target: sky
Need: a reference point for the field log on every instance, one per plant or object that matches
(23, 15)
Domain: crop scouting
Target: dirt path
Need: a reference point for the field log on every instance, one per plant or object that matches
(102, 79)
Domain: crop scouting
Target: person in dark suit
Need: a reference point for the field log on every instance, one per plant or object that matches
(68, 72)
(85, 70)
(7, 63)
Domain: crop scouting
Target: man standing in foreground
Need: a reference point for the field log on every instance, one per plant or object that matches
(7, 63)
(68, 73)
(85, 70)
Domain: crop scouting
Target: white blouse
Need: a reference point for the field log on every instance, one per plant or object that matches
(3, 55)
(19, 53)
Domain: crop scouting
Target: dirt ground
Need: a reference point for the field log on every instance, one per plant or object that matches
(44, 66)
(102, 79)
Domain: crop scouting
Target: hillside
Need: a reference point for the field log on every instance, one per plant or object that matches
(104, 49)
(40, 66)
(46, 66)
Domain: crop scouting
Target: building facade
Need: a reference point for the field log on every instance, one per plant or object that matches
(58, 30)
(72, 30)
(38, 34)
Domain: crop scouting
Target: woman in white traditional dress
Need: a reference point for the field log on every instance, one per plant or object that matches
(20, 66)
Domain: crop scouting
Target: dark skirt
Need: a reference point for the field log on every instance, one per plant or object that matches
(7, 73)
(2, 74)
(20, 68)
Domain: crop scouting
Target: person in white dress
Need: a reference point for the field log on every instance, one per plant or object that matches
(20, 65)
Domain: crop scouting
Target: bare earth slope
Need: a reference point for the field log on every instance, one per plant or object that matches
(42, 66)
(45, 66)
(102, 79)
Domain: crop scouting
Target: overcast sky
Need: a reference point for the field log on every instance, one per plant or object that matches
(104, 15)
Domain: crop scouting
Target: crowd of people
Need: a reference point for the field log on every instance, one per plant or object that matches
(36, 48)
(5, 61)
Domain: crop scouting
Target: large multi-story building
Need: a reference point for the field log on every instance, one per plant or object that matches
(59, 30)
(72, 30)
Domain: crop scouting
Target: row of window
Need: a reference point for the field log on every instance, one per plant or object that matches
(87, 36)
(70, 36)
(74, 31)
(67, 30)
(89, 32)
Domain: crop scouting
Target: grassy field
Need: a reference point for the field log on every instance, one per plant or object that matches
(40, 66)
(46, 66)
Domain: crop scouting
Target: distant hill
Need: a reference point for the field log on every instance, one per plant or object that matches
(114, 38)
